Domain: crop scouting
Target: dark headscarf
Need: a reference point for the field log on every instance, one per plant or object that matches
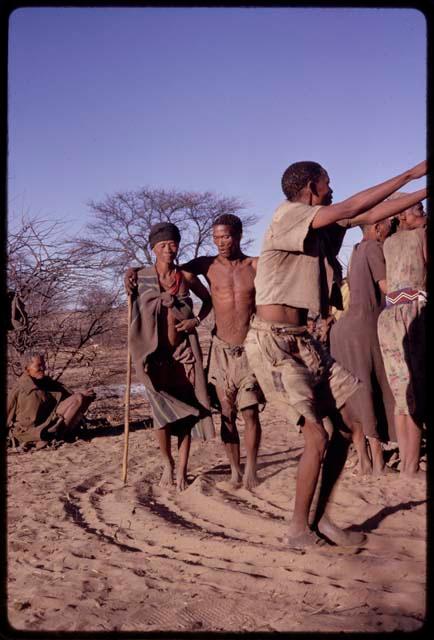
(164, 231)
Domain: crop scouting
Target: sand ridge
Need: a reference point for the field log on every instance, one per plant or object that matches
(87, 553)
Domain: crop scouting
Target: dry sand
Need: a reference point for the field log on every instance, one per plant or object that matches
(86, 553)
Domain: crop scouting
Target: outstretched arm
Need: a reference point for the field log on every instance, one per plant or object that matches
(367, 199)
(388, 208)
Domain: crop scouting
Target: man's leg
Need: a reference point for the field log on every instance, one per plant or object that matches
(315, 445)
(184, 441)
(378, 464)
(333, 465)
(72, 409)
(252, 438)
(359, 440)
(163, 439)
(229, 435)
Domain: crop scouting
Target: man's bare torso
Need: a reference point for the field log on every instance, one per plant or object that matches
(232, 289)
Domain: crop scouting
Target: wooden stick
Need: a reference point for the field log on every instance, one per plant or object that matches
(127, 396)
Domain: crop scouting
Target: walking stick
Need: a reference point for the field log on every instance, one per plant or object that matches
(127, 396)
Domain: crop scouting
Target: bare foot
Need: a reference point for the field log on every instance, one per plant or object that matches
(250, 479)
(306, 538)
(363, 469)
(418, 476)
(166, 479)
(181, 482)
(385, 471)
(236, 477)
(339, 536)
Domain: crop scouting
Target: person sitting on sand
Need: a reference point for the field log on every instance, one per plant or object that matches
(41, 409)
(230, 276)
(402, 332)
(166, 353)
(298, 271)
(354, 344)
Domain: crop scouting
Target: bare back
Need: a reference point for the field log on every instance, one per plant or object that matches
(232, 289)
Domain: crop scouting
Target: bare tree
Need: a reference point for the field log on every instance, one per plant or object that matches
(63, 313)
(118, 236)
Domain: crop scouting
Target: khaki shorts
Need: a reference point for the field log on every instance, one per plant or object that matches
(229, 371)
(295, 372)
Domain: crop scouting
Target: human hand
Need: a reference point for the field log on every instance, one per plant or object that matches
(187, 325)
(130, 280)
(419, 170)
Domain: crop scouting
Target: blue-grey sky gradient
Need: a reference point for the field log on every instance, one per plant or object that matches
(109, 99)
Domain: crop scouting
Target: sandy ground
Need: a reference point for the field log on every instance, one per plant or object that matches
(86, 553)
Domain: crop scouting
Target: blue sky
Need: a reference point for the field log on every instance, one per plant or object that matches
(102, 100)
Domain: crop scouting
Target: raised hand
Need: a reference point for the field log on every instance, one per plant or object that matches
(130, 280)
(419, 170)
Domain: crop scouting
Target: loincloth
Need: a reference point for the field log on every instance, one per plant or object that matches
(296, 372)
(230, 372)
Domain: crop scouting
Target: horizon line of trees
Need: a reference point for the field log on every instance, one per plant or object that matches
(69, 285)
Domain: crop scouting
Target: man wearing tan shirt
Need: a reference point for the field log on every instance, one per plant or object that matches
(298, 271)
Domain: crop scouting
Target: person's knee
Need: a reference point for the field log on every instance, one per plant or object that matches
(250, 417)
(316, 437)
(229, 431)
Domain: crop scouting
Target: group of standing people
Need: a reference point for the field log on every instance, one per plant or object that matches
(261, 349)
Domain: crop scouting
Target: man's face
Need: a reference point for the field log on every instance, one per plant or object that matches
(383, 229)
(415, 216)
(226, 240)
(323, 194)
(36, 367)
(166, 251)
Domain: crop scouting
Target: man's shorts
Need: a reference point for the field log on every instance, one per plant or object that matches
(295, 372)
(229, 371)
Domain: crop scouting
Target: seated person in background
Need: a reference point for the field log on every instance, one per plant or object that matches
(42, 409)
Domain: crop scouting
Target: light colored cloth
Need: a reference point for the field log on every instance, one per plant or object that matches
(229, 370)
(354, 342)
(402, 327)
(295, 372)
(298, 265)
(405, 263)
(175, 382)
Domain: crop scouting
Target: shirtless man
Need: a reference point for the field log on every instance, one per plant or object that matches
(230, 276)
(166, 352)
(297, 272)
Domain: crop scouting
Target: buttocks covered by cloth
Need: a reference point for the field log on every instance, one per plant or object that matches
(296, 372)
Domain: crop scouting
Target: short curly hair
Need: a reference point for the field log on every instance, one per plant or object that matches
(229, 220)
(298, 175)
